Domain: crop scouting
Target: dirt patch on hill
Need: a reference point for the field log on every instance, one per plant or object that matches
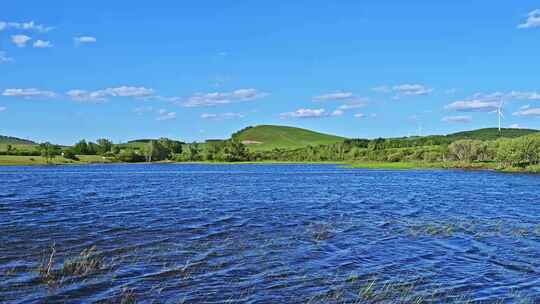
(251, 142)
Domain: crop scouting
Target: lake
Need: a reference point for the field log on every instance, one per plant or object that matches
(266, 234)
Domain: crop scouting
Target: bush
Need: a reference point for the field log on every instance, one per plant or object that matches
(109, 154)
(129, 156)
(70, 154)
(396, 157)
(432, 156)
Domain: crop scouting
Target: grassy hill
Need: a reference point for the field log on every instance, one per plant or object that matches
(9, 140)
(15, 142)
(267, 137)
(490, 134)
(479, 134)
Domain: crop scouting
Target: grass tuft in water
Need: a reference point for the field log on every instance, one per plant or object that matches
(128, 296)
(87, 262)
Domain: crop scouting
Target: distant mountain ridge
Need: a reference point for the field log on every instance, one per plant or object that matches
(491, 133)
(10, 140)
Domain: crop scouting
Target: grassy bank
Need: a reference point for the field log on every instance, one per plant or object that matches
(15, 160)
(444, 165)
(12, 160)
(424, 165)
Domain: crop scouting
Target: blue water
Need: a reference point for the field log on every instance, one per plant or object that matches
(269, 233)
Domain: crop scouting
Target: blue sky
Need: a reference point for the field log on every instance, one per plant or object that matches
(72, 70)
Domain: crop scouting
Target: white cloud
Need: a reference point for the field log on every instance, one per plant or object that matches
(533, 20)
(524, 95)
(305, 113)
(527, 112)
(359, 115)
(351, 101)
(20, 40)
(83, 96)
(338, 112)
(29, 93)
(27, 26)
(476, 105)
(103, 95)
(352, 105)
(126, 91)
(4, 58)
(404, 90)
(85, 39)
(217, 98)
(41, 44)
(411, 90)
(457, 119)
(165, 115)
(2, 109)
(221, 116)
(481, 102)
(515, 126)
(334, 96)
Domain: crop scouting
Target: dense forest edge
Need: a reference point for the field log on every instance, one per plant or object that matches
(510, 150)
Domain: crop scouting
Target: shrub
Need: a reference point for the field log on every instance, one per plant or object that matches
(70, 154)
(129, 156)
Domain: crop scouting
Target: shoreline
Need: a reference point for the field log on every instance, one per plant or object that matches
(371, 165)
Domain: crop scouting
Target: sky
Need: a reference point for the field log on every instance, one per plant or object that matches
(205, 69)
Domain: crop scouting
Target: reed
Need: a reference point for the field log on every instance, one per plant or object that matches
(87, 262)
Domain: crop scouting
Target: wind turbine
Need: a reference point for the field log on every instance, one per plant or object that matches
(500, 114)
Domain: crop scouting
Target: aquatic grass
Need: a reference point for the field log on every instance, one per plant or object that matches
(187, 273)
(127, 296)
(87, 262)
(11, 272)
(322, 231)
(470, 228)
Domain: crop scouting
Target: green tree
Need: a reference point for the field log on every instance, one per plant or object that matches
(172, 147)
(70, 154)
(194, 152)
(154, 150)
(104, 145)
(214, 151)
(49, 151)
(81, 148)
(236, 151)
(465, 150)
(130, 156)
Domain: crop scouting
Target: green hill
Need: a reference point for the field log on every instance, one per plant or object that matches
(9, 140)
(490, 134)
(267, 137)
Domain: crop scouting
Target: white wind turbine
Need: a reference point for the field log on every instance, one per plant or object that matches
(500, 114)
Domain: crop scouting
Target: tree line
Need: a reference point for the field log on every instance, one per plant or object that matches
(506, 152)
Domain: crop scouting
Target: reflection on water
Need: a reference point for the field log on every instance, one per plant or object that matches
(266, 234)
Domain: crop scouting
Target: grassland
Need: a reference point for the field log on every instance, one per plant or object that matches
(490, 134)
(15, 160)
(424, 165)
(267, 137)
(10, 140)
